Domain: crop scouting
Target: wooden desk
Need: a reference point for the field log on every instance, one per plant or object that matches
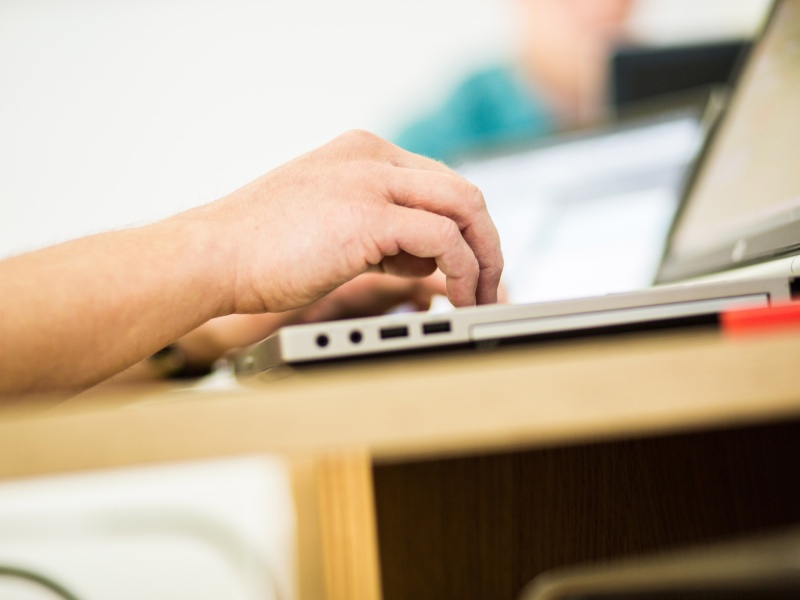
(463, 476)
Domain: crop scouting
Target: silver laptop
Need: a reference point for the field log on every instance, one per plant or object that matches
(734, 242)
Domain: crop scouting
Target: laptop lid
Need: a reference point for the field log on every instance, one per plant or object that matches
(742, 204)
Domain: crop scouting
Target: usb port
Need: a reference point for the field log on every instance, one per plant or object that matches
(438, 327)
(394, 332)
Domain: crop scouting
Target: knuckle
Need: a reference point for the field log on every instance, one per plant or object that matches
(493, 271)
(477, 198)
(361, 137)
(448, 231)
(473, 197)
(364, 145)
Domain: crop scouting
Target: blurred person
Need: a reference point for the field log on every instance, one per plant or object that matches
(556, 81)
(77, 313)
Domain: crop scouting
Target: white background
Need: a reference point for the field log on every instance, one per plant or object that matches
(114, 113)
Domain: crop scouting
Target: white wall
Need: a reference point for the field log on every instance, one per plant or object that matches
(674, 21)
(115, 112)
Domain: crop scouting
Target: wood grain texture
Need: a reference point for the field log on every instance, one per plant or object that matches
(529, 396)
(482, 527)
(489, 467)
(310, 568)
(347, 525)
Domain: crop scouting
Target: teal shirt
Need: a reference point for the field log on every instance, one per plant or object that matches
(489, 109)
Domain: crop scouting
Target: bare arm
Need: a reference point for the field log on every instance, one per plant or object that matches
(75, 314)
(79, 312)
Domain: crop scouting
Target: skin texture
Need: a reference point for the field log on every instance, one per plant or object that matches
(564, 49)
(77, 313)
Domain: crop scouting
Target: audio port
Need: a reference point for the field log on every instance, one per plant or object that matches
(356, 337)
(322, 340)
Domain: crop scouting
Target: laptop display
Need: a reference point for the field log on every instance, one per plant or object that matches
(743, 205)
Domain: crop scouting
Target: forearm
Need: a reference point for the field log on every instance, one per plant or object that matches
(74, 314)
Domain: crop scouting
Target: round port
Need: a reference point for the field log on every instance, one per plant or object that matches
(356, 336)
(322, 340)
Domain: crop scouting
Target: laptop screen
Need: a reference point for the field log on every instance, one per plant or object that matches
(743, 205)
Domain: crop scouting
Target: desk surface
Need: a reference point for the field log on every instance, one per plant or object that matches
(341, 424)
(522, 396)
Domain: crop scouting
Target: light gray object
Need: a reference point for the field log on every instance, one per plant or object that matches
(488, 325)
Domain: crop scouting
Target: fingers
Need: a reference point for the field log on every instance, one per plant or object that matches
(427, 235)
(418, 182)
(446, 194)
(322, 219)
(408, 264)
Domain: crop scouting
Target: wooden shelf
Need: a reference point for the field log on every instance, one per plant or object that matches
(464, 474)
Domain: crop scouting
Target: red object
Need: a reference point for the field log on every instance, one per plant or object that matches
(780, 317)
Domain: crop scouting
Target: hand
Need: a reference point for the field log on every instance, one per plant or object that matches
(358, 203)
(287, 239)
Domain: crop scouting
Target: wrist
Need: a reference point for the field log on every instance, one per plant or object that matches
(207, 257)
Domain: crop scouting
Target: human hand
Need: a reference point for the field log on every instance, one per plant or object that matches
(356, 204)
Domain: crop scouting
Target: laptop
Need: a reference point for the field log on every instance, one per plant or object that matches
(734, 241)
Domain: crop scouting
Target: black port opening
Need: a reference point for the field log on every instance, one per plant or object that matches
(794, 287)
(322, 340)
(356, 336)
(438, 327)
(394, 332)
